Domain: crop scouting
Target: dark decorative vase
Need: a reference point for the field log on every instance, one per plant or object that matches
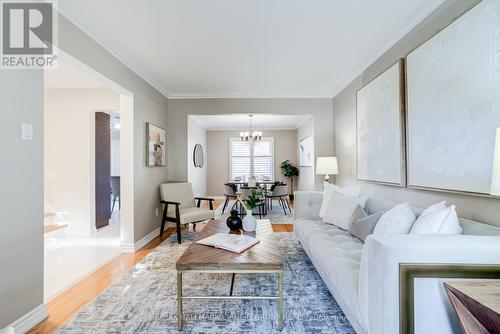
(234, 221)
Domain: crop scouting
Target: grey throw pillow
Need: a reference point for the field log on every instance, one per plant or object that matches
(361, 228)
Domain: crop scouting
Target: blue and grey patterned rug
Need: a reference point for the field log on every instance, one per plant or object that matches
(144, 300)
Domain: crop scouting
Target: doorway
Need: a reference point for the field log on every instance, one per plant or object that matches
(84, 161)
(107, 168)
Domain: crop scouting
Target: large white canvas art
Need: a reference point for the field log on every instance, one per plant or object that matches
(306, 152)
(380, 139)
(454, 104)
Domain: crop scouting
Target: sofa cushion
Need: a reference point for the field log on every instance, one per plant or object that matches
(328, 194)
(398, 220)
(363, 227)
(342, 210)
(339, 258)
(193, 215)
(437, 219)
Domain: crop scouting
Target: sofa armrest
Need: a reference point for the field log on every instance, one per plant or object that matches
(378, 293)
(307, 203)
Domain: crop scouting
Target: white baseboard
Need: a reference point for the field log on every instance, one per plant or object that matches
(30, 319)
(131, 248)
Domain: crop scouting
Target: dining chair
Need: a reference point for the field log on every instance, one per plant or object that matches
(182, 208)
(269, 193)
(115, 190)
(279, 192)
(230, 193)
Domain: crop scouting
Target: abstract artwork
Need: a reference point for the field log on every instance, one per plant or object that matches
(380, 128)
(156, 152)
(454, 104)
(306, 152)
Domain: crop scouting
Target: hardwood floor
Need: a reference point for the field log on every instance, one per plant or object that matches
(283, 228)
(62, 308)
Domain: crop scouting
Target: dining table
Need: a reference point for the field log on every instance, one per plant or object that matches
(240, 183)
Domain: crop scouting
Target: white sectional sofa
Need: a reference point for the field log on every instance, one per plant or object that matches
(364, 277)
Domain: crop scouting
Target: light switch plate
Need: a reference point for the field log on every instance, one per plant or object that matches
(27, 131)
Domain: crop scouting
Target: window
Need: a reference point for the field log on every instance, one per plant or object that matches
(247, 159)
(240, 158)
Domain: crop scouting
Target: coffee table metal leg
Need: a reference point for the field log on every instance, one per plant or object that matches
(179, 300)
(280, 301)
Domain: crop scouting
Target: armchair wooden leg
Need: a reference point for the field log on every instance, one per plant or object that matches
(178, 227)
(225, 205)
(163, 220)
(178, 223)
(194, 227)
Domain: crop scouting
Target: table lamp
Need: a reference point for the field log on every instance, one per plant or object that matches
(495, 180)
(327, 166)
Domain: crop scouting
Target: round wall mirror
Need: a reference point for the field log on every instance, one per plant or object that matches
(198, 158)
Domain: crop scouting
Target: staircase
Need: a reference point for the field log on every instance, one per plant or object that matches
(55, 224)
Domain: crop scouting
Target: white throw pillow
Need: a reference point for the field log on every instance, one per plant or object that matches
(437, 219)
(329, 191)
(433, 208)
(362, 201)
(342, 210)
(398, 220)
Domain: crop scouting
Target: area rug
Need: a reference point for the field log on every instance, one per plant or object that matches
(144, 300)
(276, 215)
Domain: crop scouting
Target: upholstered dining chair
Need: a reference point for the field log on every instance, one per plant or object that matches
(279, 192)
(115, 190)
(230, 193)
(182, 208)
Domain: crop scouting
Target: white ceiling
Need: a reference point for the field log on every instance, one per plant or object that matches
(242, 121)
(241, 48)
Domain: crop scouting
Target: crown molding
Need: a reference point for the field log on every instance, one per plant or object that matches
(201, 96)
(70, 17)
(239, 129)
(413, 20)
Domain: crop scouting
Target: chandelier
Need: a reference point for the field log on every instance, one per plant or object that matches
(251, 136)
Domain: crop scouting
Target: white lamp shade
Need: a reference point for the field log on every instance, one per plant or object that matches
(327, 166)
(495, 180)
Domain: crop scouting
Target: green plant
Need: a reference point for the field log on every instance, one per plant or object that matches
(254, 199)
(289, 170)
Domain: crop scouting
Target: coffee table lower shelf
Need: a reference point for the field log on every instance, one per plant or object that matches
(279, 297)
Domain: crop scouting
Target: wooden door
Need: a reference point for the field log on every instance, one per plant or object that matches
(102, 169)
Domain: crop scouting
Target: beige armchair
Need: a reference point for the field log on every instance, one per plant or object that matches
(181, 207)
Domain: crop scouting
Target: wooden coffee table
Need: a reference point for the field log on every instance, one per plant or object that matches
(265, 257)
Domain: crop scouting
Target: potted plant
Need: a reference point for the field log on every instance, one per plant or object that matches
(289, 171)
(250, 202)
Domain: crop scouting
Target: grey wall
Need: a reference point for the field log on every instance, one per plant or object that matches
(21, 165)
(196, 175)
(149, 106)
(21, 194)
(320, 109)
(285, 148)
(483, 209)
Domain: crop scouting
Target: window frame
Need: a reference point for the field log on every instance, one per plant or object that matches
(252, 156)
